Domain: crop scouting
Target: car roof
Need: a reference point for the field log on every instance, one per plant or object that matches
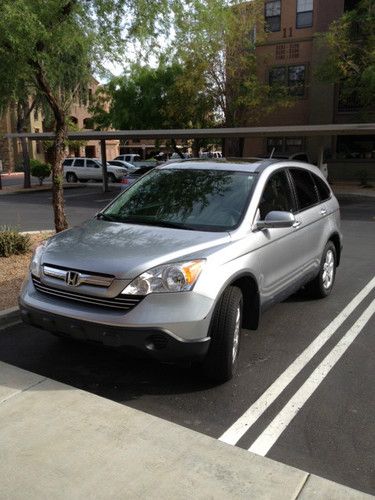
(253, 165)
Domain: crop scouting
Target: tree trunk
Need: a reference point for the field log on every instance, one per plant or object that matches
(23, 112)
(58, 175)
(176, 149)
(196, 147)
(26, 163)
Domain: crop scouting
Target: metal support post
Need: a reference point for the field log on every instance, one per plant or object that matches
(104, 164)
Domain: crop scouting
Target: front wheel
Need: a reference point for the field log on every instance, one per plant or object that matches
(225, 331)
(111, 178)
(321, 286)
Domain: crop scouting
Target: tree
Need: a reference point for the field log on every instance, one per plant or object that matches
(219, 45)
(54, 46)
(350, 54)
(154, 98)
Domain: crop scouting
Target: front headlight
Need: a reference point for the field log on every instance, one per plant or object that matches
(36, 259)
(174, 277)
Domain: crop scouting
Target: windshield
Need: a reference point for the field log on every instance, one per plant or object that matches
(208, 200)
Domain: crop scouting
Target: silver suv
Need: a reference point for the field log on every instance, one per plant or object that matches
(185, 257)
(84, 169)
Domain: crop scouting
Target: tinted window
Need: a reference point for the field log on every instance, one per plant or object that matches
(67, 163)
(305, 188)
(277, 195)
(79, 163)
(211, 200)
(323, 190)
(91, 164)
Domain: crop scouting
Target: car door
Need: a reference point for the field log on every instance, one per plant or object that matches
(79, 168)
(93, 169)
(277, 254)
(311, 216)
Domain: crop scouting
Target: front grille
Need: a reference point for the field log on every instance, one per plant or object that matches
(123, 302)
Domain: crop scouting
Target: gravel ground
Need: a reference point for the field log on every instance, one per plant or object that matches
(13, 271)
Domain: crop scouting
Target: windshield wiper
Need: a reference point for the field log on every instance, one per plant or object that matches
(155, 222)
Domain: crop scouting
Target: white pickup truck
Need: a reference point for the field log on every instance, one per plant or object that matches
(136, 160)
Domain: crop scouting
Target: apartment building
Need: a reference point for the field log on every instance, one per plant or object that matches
(292, 52)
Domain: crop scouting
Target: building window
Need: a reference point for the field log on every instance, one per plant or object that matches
(304, 13)
(273, 15)
(296, 80)
(292, 77)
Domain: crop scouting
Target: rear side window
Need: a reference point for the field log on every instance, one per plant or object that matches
(277, 195)
(79, 163)
(91, 164)
(323, 190)
(67, 163)
(307, 195)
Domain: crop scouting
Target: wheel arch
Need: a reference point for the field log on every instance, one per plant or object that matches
(336, 240)
(248, 285)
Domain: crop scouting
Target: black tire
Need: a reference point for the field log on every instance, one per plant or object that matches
(111, 178)
(71, 177)
(221, 360)
(320, 287)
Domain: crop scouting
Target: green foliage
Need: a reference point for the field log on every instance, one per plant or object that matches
(151, 98)
(218, 46)
(40, 170)
(350, 59)
(12, 242)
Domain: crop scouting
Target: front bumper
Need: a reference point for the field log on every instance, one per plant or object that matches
(154, 342)
(165, 326)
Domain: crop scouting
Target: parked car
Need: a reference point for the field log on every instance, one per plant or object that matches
(84, 169)
(210, 154)
(133, 176)
(129, 167)
(136, 160)
(178, 263)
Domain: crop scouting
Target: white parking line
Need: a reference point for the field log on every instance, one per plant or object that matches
(272, 433)
(252, 414)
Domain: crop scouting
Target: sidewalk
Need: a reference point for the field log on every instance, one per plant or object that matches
(63, 443)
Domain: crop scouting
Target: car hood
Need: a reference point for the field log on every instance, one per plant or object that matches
(126, 250)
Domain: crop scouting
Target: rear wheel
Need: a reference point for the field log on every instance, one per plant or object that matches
(322, 285)
(71, 177)
(225, 331)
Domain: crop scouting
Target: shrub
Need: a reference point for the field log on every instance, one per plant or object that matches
(12, 242)
(40, 170)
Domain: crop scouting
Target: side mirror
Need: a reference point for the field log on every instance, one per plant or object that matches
(276, 219)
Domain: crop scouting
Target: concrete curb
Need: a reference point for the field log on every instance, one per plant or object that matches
(9, 317)
(38, 189)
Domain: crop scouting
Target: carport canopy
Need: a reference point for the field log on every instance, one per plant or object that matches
(211, 133)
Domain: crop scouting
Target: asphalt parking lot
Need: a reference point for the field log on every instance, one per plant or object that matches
(304, 394)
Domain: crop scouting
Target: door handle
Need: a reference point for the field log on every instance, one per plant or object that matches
(297, 224)
(323, 211)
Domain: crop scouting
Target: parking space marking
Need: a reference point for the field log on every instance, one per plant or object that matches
(271, 434)
(252, 414)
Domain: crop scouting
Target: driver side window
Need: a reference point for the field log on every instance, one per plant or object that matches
(277, 195)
